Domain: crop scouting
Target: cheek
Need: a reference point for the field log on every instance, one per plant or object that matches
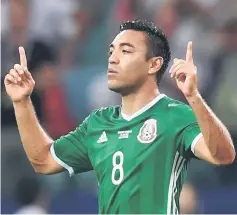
(139, 70)
(134, 66)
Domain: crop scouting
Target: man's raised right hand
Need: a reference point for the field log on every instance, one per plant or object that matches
(19, 82)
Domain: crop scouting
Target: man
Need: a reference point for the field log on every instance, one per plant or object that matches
(139, 150)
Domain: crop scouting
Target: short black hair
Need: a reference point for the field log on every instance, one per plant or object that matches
(158, 44)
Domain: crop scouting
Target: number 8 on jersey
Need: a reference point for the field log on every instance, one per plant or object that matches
(117, 166)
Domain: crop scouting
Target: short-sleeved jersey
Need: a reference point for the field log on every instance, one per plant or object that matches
(140, 161)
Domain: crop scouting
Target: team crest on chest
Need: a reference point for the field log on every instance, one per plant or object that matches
(148, 132)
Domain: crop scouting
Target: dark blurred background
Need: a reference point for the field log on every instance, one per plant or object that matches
(66, 43)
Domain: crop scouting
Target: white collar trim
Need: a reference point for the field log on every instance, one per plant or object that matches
(142, 110)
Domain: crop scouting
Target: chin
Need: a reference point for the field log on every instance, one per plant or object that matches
(123, 91)
(121, 88)
(114, 86)
(115, 89)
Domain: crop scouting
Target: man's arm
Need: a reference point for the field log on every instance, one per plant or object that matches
(215, 145)
(46, 155)
(19, 85)
(35, 140)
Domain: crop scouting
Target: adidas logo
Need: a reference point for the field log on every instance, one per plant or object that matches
(103, 138)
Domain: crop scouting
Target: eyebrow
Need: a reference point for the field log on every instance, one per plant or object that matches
(122, 44)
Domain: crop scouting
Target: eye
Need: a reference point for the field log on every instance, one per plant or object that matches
(126, 51)
(110, 52)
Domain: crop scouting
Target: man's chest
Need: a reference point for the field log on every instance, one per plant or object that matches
(124, 145)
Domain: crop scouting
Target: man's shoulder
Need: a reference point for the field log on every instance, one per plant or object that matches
(101, 115)
(106, 112)
(179, 112)
(177, 106)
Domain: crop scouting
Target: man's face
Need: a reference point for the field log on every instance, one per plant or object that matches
(128, 65)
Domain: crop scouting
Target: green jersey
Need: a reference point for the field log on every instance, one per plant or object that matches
(140, 161)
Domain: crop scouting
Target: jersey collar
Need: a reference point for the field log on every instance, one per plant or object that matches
(142, 110)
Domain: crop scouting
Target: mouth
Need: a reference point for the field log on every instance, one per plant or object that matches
(112, 72)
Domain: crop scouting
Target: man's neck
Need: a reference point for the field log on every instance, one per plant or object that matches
(136, 101)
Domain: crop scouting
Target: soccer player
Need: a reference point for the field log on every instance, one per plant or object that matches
(139, 150)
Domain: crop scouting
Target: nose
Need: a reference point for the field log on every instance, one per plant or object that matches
(113, 58)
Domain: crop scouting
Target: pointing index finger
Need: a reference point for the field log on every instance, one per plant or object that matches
(189, 54)
(23, 59)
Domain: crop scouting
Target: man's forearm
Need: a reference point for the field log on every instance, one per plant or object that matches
(216, 135)
(35, 140)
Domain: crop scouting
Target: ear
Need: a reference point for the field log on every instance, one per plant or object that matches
(155, 64)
